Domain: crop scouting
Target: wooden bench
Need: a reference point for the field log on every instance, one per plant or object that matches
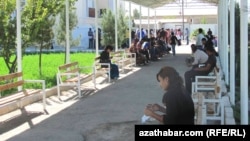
(131, 57)
(212, 106)
(210, 87)
(123, 59)
(200, 110)
(14, 83)
(118, 59)
(211, 82)
(99, 70)
(70, 74)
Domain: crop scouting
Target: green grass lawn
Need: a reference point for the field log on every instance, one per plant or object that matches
(50, 63)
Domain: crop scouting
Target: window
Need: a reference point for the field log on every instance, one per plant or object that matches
(90, 8)
(90, 3)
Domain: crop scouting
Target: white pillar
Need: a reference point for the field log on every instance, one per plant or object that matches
(116, 25)
(67, 32)
(140, 25)
(155, 26)
(130, 25)
(226, 41)
(220, 15)
(18, 38)
(18, 34)
(96, 29)
(232, 52)
(244, 61)
(148, 23)
(222, 46)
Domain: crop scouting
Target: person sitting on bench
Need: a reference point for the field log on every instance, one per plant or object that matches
(105, 58)
(201, 71)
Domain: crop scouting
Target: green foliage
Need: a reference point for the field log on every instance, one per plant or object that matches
(108, 28)
(60, 28)
(196, 32)
(8, 33)
(50, 64)
(203, 20)
(136, 14)
(37, 18)
(122, 27)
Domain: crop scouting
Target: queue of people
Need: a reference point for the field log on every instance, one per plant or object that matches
(177, 105)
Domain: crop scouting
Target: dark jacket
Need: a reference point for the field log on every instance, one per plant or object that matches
(105, 58)
(179, 107)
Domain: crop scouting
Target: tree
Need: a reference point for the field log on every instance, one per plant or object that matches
(8, 33)
(203, 20)
(108, 28)
(60, 29)
(122, 27)
(36, 17)
(39, 31)
(136, 14)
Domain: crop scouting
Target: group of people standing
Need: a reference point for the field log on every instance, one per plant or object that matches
(92, 38)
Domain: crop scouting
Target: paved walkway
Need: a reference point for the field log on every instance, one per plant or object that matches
(106, 115)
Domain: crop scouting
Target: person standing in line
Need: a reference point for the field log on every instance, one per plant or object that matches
(173, 41)
(199, 38)
(187, 36)
(178, 106)
(91, 38)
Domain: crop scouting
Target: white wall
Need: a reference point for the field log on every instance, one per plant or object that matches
(213, 28)
(85, 22)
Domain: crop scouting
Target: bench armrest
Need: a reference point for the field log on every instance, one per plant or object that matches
(43, 90)
(36, 81)
(62, 74)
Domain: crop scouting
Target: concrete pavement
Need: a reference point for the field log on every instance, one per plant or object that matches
(108, 114)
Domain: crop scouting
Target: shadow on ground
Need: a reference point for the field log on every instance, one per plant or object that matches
(120, 131)
(16, 121)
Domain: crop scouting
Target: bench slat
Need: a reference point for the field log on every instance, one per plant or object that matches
(65, 66)
(75, 79)
(73, 70)
(11, 85)
(18, 95)
(11, 76)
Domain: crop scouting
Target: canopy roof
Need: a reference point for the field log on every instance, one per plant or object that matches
(160, 3)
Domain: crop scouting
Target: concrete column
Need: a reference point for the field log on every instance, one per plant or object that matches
(18, 38)
(155, 26)
(116, 24)
(96, 29)
(140, 25)
(67, 32)
(222, 46)
(226, 57)
(220, 15)
(244, 61)
(148, 23)
(130, 25)
(19, 44)
(232, 52)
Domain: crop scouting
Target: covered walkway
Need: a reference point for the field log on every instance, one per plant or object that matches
(108, 114)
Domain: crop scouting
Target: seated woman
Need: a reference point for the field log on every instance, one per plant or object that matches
(178, 106)
(105, 58)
